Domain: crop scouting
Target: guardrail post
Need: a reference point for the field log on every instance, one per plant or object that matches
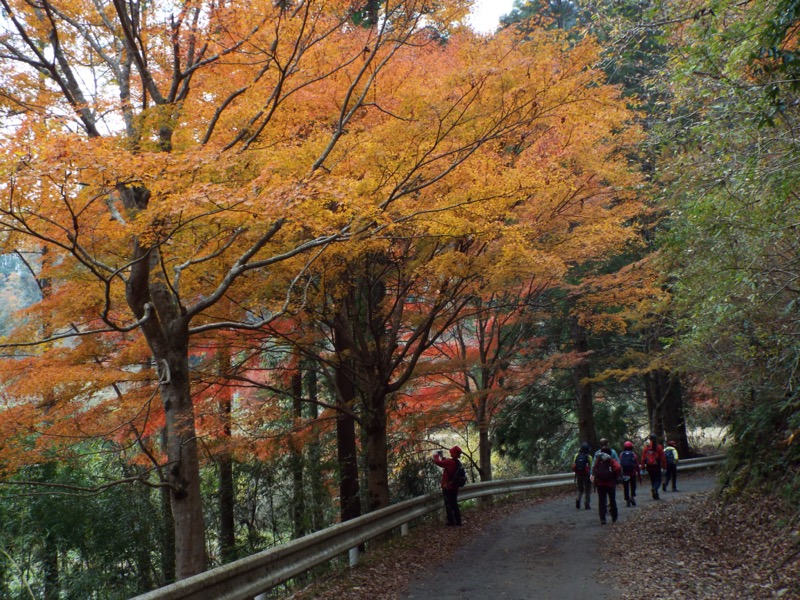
(404, 529)
(354, 556)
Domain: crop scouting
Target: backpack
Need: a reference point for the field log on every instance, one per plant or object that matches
(604, 471)
(459, 476)
(627, 459)
(581, 462)
(670, 454)
(650, 457)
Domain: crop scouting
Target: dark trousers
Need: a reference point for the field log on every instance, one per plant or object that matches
(584, 490)
(451, 507)
(655, 479)
(672, 475)
(629, 486)
(607, 497)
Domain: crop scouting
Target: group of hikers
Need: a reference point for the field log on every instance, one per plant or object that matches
(605, 469)
(601, 471)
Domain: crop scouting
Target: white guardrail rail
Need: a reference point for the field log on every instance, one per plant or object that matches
(247, 578)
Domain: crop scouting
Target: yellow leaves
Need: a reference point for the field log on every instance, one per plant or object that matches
(518, 261)
(492, 160)
(608, 302)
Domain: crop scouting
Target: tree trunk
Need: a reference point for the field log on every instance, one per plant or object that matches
(318, 492)
(227, 492)
(168, 538)
(376, 452)
(484, 448)
(144, 552)
(484, 441)
(673, 413)
(485, 454)
(227, 529)
(298, 495)
(583, 390)
(659, 390)
(50, 568)
(350, 502)
(184, 470)
(652, 395)
(166, 328)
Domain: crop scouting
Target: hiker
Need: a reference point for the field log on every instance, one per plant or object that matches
(630, 472)
(449, 487)
(605, 473)
(671, 458)
(653, 461)
(604, 443)
(582, 466)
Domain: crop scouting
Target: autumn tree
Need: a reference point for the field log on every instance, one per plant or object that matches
(631, 34)
(161, 153)
(185, 169)
(488, 358)
(532, 196)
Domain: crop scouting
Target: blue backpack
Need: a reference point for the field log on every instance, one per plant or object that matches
(669, 453)
(627, 460)
(581, 463)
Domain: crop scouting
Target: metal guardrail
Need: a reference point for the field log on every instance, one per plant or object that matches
(249, 577)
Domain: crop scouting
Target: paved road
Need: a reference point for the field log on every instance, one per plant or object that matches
(548, 552)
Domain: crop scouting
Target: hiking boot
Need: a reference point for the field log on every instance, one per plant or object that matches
(628, 504)
(664, 487)
(587, 507)
(603, 522)
(578, 504)
(633, 502)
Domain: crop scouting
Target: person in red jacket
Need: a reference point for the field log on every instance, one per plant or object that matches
(449, 489)
(605, 473)
(653, 461)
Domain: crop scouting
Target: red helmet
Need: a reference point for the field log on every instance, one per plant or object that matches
(628, 445)
(455, 452)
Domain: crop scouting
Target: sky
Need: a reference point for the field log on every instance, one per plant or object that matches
(486, 14)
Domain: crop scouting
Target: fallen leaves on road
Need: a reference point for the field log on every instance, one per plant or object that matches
(698, 546)
(386, 571)
(707, 546)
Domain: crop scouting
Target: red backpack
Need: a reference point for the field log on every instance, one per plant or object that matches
(604, 471)
(650, 457)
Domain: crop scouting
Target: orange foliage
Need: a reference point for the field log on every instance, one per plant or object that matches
(288, 136)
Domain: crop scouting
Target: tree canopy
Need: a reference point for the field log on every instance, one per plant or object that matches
(250, 243)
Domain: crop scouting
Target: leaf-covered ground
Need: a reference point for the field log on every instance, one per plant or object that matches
(704, 546)
(697, 546)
